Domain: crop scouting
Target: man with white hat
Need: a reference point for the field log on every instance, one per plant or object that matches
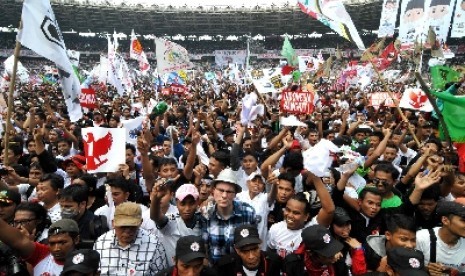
(128, 249)
(173, 226)
(227, 214)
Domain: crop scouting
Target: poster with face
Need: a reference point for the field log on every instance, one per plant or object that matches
(458, 25)
(412, 22)
(388, 18)
(439, 16)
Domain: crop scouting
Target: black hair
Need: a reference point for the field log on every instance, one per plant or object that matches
(120, 183)
(66, 140)
(400, 221)
(371, 190)
(432, 192)
(288, 177)
(167, 161)
(56, 181)
(435, 141)
(131, 147)
(415, 4)
(294, 161)
(388, 168)
(40, 214)
(392, 145)
(301, 197)
(90, 180)
(223, 157)
(378, 134)
(76, 193)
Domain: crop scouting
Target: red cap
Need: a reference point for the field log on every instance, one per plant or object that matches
(295, 145)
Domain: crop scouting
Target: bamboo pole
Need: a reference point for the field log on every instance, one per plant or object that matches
(425, 89)
(10, 102)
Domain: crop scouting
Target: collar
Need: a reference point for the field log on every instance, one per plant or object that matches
(367, 219)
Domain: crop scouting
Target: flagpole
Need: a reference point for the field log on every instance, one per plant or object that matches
(10, 99)
(425, 89)
(395, 100)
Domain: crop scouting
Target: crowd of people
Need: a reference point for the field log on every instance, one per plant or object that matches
(201, 193)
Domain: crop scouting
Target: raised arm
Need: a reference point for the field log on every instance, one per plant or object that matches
(12, 237)
(325, 215)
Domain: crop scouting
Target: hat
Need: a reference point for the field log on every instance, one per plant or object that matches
(127, 214)
(83, 261)
(446, 208)
(187, 190)
(318, 239)
(341, 217)
(78, 160)
(227, 176)
(255, 175)
(189, 248)
(63, 226)
(246, 234)
(8, 197)
(406, 261)
(295, 145)
(228, 131)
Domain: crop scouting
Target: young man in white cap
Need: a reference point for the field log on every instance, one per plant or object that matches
(227, 214)
(128, 249)
(173, 226)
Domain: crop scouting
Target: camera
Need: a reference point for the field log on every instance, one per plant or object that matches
(10, 263)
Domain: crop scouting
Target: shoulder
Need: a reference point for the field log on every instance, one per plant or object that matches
(243, 206)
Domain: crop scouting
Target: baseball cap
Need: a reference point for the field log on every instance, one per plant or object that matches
(63, 226)
(227, 176)
(246, 234)
(8, 197)
(127, 214)
(228, 131)
(78, 160)
(189, 248)
(318, 239)
(406, 261)
(255, 175)
(341, 217)
(295, 145)
(187, 190)
(83, 261)
(446, 208)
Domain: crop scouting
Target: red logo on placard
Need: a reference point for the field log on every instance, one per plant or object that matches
(95, 149)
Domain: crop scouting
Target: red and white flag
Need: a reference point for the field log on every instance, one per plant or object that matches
(136, 52)
(416, 99)
(104, 148)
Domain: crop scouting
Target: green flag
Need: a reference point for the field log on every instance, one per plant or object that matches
(289, 53)
(441, 75)
(453, 109)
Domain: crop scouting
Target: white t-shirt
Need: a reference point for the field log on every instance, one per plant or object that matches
(284, 240)
(262, 209)
(241, 177)
(452, 257)
(54, 213)
(149, 225)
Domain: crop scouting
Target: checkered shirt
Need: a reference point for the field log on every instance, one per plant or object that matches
(145, 256)
(218, 233)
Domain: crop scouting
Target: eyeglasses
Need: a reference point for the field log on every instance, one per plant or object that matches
(222, 191)
(378, 182)
(22, 222)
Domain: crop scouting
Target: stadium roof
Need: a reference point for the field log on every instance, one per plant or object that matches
(102, 16)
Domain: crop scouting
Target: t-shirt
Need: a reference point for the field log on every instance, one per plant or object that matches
(262, 209)
(452, 257)
(285, 240)
(149, 225)
(392, 202)
(43, 262)
(54, 213)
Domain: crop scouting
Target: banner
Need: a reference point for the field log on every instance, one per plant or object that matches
(87, 98)
(377, 98)
(440, 15)
(42, 34)
(412, 21)
(226, 57)
(440, 75)
(333, 14)
(458, 24)
(388, 19)
(415, 98)
(133, 128)
(296, 102)
(104, 148)
(136, 52)
(178, 89)
(171, 57)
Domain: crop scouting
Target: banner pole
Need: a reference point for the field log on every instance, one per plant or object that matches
(10, 99)
(425, 89)
(395, 100)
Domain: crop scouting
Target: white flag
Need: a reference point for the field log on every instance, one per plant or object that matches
(113, 75)
(41, 34)
(22, 74)
(136, 52)
(74, 57)
(171, 57)
(416, 99)
(104, 148)
(133, 128)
